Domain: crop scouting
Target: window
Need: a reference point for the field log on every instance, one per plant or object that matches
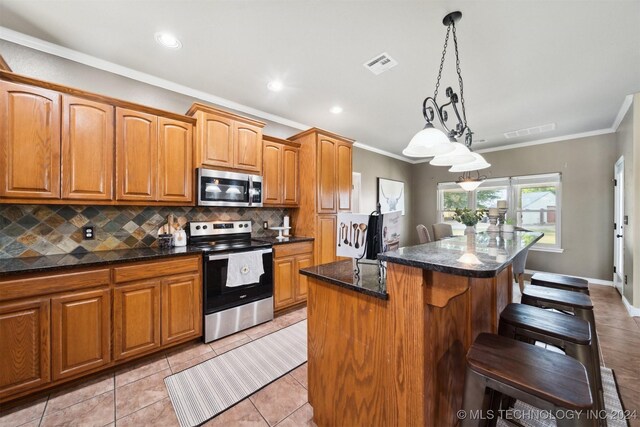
(537, 206)
(534, 204)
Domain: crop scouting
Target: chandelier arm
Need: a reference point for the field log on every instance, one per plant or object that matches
(438, 112)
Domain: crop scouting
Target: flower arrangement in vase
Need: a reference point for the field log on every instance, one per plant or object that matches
(469, 218)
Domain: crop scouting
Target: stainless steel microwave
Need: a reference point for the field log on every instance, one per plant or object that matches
(221, 188)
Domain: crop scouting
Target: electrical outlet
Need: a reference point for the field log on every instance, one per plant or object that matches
(88, 233)
(265, 225)
(626, 220)
(625, 279)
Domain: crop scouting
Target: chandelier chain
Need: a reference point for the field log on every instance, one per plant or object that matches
(444, 52)
(459, 71)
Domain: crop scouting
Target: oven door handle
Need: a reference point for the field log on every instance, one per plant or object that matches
(226, 256)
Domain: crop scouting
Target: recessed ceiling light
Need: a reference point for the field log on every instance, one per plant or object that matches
(167, 40)
(275, 85)
(336, 109)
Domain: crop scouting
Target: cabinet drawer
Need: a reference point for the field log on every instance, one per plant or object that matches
(52, 283)
(290, 249)
(147, 270)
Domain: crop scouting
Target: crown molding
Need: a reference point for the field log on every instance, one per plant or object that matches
(92, 61)
(626, 104)
(381, 152)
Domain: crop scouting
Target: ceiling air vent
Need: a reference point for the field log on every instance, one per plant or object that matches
(380, 63)
(530, 131)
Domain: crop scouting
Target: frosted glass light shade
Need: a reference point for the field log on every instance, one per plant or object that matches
(428, 142)
(470, 185)
(458, 156)
(477, 164)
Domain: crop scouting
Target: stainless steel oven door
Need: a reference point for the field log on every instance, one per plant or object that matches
(218, 296)
(219, 188)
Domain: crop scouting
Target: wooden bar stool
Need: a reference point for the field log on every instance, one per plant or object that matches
(569, 333)
(558, 281)
(576, 303)
(544, 379)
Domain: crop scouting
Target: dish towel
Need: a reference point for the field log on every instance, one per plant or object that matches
(244, 268)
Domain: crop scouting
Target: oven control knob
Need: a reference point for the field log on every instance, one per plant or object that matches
(241, 225)
(197, 227)
(204, 227)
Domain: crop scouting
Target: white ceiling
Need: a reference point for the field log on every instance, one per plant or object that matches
(524, 63)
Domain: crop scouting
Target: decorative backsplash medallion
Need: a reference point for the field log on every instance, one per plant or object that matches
(34, 230)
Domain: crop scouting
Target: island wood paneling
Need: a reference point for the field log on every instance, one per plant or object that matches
(400, 361)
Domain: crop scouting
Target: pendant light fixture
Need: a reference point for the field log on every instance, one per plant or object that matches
(430, 141)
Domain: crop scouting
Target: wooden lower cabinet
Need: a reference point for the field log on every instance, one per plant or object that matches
(326, 239)
(81, 332)
(136, 318)
(56, 328)
(24, 345)
(181, 308)
(290, 287)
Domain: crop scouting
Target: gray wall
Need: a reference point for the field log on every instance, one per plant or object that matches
(624, 137)
(586, 165)
(372, 166)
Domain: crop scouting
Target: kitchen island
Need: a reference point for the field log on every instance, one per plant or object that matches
(393, 352)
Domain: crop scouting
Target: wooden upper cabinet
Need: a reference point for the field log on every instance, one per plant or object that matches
(25, 344)
(272, 173)
(81, 332)
(175, 175)
(136, 155)
(344, 166)
(226, 140)
(29, 142)
(291, 175)
(326, 170)
(215, 139)
(87, 149)
(248, 147)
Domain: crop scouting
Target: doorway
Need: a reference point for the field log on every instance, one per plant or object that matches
(618, 226)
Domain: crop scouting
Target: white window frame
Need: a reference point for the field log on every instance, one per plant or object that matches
(513, 184)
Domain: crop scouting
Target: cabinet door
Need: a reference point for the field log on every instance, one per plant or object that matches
(325, 248)
(272, 173)
(284, 293)
(290, 176)
(175, 175)
(248, 147)
(326, 164)
(181, 308)
(302, 261)
(136, 155)
(87, 149)
(29, 142)
(136, 318)
(81, 332)
(216, 140)
(24, 345)
(344, 176)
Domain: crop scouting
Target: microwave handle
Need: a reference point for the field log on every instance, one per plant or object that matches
(226, 256)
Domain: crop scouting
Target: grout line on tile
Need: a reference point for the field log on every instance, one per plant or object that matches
(255, 407)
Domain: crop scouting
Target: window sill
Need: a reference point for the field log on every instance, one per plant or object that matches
(543, 249)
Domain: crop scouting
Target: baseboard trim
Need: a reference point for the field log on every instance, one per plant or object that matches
(633, 311)
(591, 280)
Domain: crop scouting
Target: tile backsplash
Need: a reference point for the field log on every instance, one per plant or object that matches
(34, 230)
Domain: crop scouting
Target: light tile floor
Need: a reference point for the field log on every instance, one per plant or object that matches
(136, 395)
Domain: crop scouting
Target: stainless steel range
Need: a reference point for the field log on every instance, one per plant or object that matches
(237, 290)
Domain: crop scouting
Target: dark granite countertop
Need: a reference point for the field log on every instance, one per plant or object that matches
(88, 259)
(341, 273)
(291, 239)
(477, 255)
